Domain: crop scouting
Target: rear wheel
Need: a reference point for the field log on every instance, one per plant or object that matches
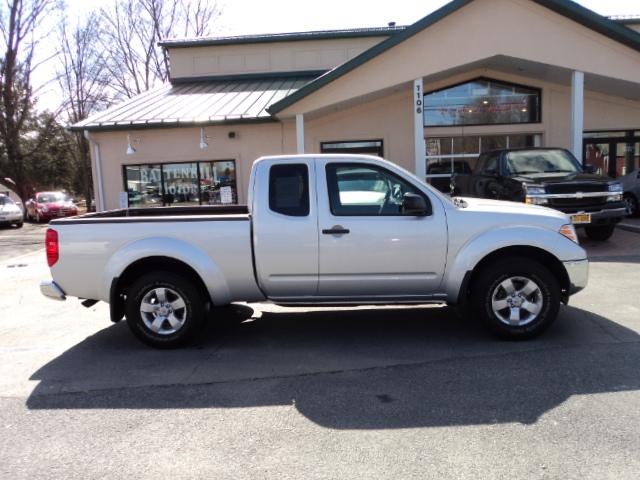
(164, 310)
(516, 298)
(600, 233)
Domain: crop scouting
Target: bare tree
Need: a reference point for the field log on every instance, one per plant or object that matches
(132, 30)
(82, 77)
(20, 25)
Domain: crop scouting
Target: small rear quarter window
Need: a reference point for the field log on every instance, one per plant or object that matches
(289, 189)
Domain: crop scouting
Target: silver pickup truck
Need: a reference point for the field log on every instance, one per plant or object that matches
(320, 230)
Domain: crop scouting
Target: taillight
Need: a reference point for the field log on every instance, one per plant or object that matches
(52, 247)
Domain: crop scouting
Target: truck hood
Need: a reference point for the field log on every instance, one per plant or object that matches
(552, 178)
(515, 212)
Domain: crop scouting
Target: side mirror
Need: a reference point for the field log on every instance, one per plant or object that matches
(452, 184)
(414, 205)
(590, 169)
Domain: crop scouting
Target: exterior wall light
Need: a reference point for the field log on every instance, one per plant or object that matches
(203, 139)
(130, 149)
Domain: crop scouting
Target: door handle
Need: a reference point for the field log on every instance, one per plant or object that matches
(335, 230)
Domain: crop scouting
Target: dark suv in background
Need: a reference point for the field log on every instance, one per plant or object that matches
(551, 177)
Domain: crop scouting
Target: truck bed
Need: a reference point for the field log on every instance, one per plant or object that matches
(214, 240)
(226, 212)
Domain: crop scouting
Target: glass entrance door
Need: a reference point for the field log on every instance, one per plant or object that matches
(614, 154)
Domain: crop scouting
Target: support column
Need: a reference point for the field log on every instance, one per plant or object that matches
(97, 172)
(300, 132)
(577, 113)
(418, 130)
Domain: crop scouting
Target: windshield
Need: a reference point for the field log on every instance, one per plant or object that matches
(52, 197)
(525, 162)
(6, 201)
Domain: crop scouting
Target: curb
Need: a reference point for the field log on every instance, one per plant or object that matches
(629, 228)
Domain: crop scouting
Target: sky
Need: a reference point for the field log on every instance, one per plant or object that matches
(242, 17)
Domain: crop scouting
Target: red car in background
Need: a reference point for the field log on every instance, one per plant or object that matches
(50, 205)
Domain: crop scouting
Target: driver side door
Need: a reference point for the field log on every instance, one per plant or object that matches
(367, 247)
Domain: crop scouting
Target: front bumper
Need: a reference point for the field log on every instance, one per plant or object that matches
(606, 216)
(53, 215)
(51, 289)
(578, 271)
(11, 217)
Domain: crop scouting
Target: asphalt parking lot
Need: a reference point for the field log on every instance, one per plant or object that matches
(15, 242)
(321, 393)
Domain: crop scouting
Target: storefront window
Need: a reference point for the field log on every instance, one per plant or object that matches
(188, 183)
(218, 183)
(144, 185)
(368, 147)
(482, 102)
(180, 184)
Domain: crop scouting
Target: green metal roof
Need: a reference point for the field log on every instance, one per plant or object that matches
(236, 99)
(281, 37)
(567, 8)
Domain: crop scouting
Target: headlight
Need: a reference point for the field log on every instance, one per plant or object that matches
(535, 189)
(532, 193)
(616, 190)
(45, 209)
(569, 231)
(536, 200)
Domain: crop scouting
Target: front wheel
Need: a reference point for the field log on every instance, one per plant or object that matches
(516, 298)
(164, 310)
(600, 233)
(631, 204)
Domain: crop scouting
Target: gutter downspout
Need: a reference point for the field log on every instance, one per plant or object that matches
(96, 156)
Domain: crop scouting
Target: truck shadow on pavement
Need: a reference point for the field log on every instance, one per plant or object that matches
(351, 369)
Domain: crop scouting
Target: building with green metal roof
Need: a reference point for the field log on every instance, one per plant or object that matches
(471, 76)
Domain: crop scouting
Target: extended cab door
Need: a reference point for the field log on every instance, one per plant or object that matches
(285, 228)
(368, 247)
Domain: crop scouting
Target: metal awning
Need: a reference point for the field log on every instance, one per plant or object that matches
(202, 102)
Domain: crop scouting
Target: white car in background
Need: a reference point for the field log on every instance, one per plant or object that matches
(10, 212)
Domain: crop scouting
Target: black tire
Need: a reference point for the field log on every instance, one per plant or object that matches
(488, 283)
(631, 204)
(19, 225)
(600, 234)
(194, 309)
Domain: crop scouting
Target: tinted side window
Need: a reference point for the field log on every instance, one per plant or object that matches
(364, 190)
(490, 167)
(289, 189)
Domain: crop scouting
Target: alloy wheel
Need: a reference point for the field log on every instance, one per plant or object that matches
(163, 311)
(631, 205)
(517, 301)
